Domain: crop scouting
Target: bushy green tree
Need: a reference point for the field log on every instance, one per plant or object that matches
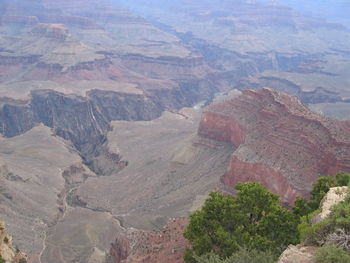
(1, 259)
(321, 188)
(243, 255)
(253, 219)
(342, 179)
(332, 255)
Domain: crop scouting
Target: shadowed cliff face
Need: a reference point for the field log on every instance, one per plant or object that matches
(73, 118)
(280, 143)
(84, 121)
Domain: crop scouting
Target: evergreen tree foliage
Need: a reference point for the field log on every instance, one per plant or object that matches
(253, 219)
(332, 255)
(243, 255)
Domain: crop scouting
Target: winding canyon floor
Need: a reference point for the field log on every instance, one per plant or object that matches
(169, 172)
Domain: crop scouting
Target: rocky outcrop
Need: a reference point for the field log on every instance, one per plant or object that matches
(279, 141)
(334, 196)
(306, 254)
(73, 118)
(298, 254)
(167, 245)
(120, 249)
(79, 119)
(123, 106)
(7, 250)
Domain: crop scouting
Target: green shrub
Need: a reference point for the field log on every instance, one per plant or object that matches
(303, 207)
(243, 255)
(6, 240)
(342, 179)
(1, 259)
(340, 216)
(332, 255)
(22, 260)
(306, 228)
(189, 256)
(253, 219)
(321, 188)
(316, 234)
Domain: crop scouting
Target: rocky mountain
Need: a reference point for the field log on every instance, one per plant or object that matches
(100, 106)
(64, 46)
(279, 142)
(266, 42)
(142, 246)
(274, 140)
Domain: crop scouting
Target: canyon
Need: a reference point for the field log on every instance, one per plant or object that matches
(117, 119)
(279, 142)
(274, 139)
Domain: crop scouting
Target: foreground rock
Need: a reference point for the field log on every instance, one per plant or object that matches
(7, 250)
(279, 141)
(298, 254)
(334, 196)
(306, 254)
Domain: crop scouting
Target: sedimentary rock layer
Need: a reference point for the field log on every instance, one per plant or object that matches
(279, 141)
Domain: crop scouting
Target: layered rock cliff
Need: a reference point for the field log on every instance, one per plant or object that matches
(80, 119)
(85, 121)
(279, 141)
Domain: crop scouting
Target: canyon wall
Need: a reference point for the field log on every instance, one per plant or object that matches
(279, 141)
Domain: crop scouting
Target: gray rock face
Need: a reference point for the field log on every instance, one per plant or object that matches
(16, 117)
(117, 106)
(334, 196)
(298, 254)
(84, 121)
(72, 117)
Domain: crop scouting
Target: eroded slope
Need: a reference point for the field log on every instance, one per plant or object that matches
(281, 143)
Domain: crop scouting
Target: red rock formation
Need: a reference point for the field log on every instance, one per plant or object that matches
(167, 245)
(120, 249)
(279, 141)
